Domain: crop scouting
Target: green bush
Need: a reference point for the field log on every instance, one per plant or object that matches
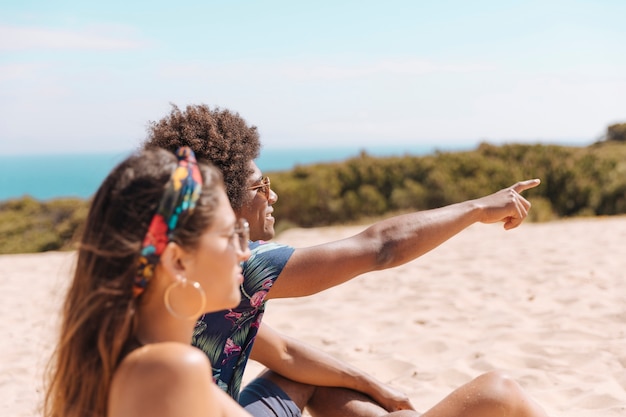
(616, 132)
(576, 181)
(28, 225)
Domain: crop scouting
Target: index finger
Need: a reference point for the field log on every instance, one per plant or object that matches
(525, 185)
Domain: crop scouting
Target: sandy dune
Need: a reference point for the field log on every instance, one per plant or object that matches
(545, 303)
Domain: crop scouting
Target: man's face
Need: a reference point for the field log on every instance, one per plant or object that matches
(257, 208)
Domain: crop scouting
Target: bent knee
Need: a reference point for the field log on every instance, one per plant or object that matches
(500, 384)
(500, 389)
(298, 392)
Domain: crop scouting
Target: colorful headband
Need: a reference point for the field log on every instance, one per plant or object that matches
(181, 194)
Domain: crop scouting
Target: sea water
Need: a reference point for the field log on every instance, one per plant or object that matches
(45, 177)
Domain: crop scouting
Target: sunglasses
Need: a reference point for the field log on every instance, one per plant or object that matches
(263, 187)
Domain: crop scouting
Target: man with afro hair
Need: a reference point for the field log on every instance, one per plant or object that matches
(299, 376)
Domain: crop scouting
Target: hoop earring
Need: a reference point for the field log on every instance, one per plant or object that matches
(183, 283)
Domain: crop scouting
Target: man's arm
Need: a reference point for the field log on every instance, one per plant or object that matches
(303, 363)
(395, 241)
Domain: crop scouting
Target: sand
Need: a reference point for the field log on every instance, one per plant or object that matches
(545, 303)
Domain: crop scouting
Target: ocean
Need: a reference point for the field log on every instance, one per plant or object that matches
(45, 177)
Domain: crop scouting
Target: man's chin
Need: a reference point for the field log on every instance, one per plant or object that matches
(268, 229)
(265, 234)
(269, 234)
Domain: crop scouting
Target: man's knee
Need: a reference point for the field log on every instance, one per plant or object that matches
(298, 392)
(335, 401)
(500, 390)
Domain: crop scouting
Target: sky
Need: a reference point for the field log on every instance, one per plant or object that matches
(88, 76)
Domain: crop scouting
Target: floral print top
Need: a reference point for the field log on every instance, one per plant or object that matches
(227, 336)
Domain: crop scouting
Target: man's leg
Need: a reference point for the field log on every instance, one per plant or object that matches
(263, 397)
(331, 401)
(490, 395)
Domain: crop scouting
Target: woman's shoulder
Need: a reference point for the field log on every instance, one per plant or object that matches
(164, 358)
(156, 373)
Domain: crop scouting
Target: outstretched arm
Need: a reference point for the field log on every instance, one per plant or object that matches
(395, 241)
(303, 363)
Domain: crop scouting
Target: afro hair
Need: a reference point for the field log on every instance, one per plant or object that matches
(217, 136)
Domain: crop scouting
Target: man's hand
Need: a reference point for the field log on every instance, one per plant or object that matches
(390, 398)
(507, 205)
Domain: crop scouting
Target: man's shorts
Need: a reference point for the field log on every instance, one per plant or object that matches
(263, 398)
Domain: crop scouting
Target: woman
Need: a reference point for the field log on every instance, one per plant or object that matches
(159, 249)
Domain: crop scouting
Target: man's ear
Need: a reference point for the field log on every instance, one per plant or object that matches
(172, 259)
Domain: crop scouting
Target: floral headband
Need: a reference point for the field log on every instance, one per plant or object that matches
(181, 194)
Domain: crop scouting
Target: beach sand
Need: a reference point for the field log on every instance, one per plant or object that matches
(546, 303)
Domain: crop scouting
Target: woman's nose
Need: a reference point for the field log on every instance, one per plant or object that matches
(244, 253)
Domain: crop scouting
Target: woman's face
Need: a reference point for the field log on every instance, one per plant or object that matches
(216, 262)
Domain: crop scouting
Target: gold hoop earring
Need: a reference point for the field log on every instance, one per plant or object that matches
(182, 282)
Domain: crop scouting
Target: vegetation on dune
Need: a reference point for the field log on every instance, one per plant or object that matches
(576, 181)
(28, 225)
(616, 133)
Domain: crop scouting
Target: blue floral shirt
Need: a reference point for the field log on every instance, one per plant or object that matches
(227, 336)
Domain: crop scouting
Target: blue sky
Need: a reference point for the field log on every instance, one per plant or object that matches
(83, 76)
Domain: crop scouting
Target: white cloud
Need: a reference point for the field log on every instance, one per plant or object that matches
(404, 67)
(13, 38)
(18, 71)
(305, 71)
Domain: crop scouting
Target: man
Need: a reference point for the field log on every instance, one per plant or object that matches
(297, 375)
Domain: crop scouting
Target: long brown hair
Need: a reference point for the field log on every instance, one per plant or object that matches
(98, 316)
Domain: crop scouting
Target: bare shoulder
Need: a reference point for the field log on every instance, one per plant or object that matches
(170, 359)
(152, 378)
